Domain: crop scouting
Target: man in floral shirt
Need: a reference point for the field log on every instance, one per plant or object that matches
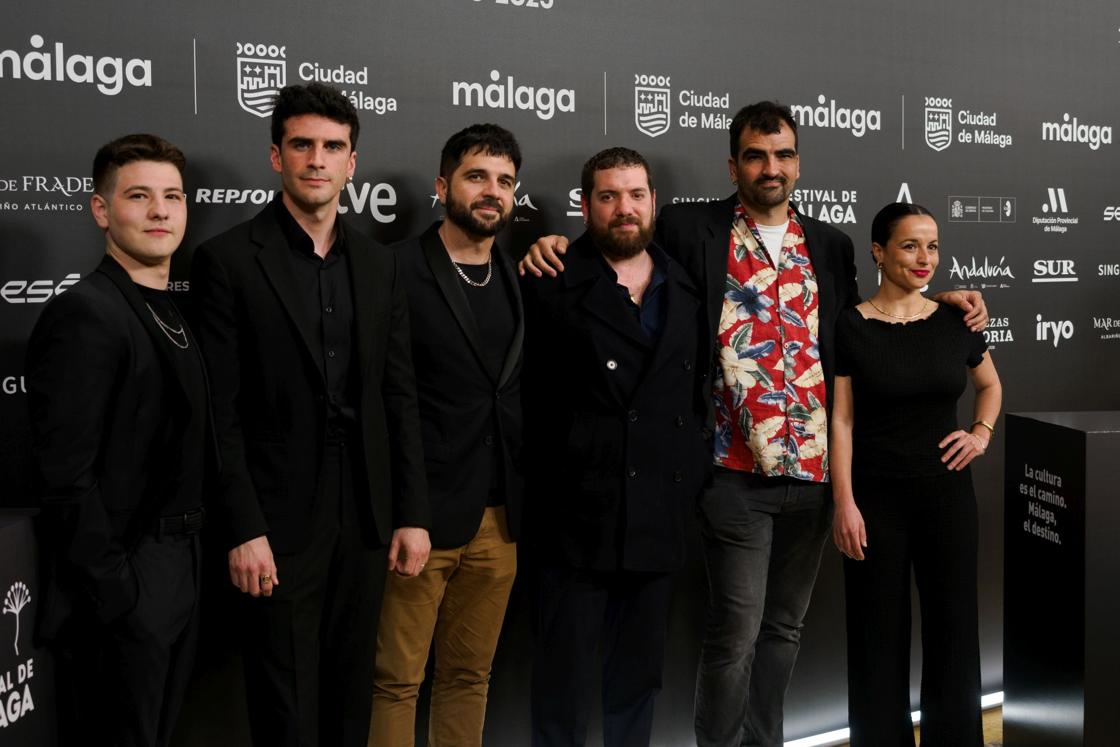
(774, 282)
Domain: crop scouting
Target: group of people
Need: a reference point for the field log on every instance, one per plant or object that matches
(372, 433)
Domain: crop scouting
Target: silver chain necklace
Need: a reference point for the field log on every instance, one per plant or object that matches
(485, 280)
(170, 332)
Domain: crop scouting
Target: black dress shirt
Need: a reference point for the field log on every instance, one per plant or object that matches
(325, 297)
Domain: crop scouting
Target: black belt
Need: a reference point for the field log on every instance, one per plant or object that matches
(188, 522)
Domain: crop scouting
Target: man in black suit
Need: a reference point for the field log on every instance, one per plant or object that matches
(467, 328)
(120, 422)
(614, 426)
(304, 324)
(774, 281)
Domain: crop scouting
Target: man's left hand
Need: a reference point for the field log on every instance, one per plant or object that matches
(971, 303)
(409, 550)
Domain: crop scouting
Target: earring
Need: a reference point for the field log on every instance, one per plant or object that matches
(879, 274)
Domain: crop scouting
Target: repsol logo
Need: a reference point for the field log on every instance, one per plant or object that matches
(507, 94)
(109, 74)
(36, 291)
(1071, 131)
(828, 114)
(1052, 331)
(207, 196)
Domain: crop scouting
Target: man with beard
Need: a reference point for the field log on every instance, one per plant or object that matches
(467, 326)
(614, 425)
(774, 281)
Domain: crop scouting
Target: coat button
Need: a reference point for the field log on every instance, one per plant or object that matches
(677, 476)
(679, 421)
(631, 472)
(687, 365)
(612, 364)
(489, 440)
(632, 416)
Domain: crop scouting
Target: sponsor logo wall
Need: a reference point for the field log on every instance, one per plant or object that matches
(1015, 159)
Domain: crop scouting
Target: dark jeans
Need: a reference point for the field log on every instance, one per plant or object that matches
(762, 540)
(309, 648)
(930, 524)
(576, 608)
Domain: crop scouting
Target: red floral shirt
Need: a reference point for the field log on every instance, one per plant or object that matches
(769, 388)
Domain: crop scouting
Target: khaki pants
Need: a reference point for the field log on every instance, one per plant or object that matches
(458, 601)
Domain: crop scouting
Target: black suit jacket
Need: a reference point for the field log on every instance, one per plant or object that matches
(698, 235)
(98, 393)
(465, 414)
(269, 392)
(614, 422)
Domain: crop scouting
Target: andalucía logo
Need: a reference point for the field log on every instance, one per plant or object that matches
(261, 72)
(939, 123)
(651, 104)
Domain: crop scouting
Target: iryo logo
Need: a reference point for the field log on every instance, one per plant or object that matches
(1056, 331)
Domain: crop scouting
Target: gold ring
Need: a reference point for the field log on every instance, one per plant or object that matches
(266, 579)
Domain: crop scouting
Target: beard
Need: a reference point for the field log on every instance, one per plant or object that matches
(616, 246)
(755, 194)
(464, 217)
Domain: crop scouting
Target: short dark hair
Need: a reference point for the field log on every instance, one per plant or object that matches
(128, 149)
(488, 139)
(765, 117)
(611, 158)
(314, 98)
(886, 219)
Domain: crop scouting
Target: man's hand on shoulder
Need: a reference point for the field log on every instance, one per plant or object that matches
(543, 257)
(971, 302)
(252, 568)
(409, 550)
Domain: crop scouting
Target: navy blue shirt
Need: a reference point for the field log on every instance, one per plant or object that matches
(651, 313)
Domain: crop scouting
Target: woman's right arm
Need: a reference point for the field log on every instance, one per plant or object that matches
(848, 530)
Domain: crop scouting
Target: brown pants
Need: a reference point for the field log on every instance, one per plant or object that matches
(459, 601)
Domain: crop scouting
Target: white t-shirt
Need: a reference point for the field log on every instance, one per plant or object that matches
(772, 237)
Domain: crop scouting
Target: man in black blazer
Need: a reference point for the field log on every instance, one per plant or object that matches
(121, 435)
(767, 512)
(467, 328)
(614, 426)
(304, 324)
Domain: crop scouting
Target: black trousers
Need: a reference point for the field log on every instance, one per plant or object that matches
(123, 683)
(309, 647)
(576, 609)
(928, 524)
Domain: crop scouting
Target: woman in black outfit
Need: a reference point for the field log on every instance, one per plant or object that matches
(903, 492)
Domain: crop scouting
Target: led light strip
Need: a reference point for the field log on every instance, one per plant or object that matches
(840, 736)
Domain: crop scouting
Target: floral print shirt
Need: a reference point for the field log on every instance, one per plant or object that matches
(769, 386)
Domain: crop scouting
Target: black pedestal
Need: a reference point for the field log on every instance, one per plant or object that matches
(27, 709)
(1061, 579)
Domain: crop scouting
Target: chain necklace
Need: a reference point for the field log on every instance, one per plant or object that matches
(925, 302)
(485, 281)
(170, 332)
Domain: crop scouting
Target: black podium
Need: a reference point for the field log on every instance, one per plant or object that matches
(1061, 662)
(27, 709)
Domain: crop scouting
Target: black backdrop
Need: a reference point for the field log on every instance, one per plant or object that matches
(998, 116)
